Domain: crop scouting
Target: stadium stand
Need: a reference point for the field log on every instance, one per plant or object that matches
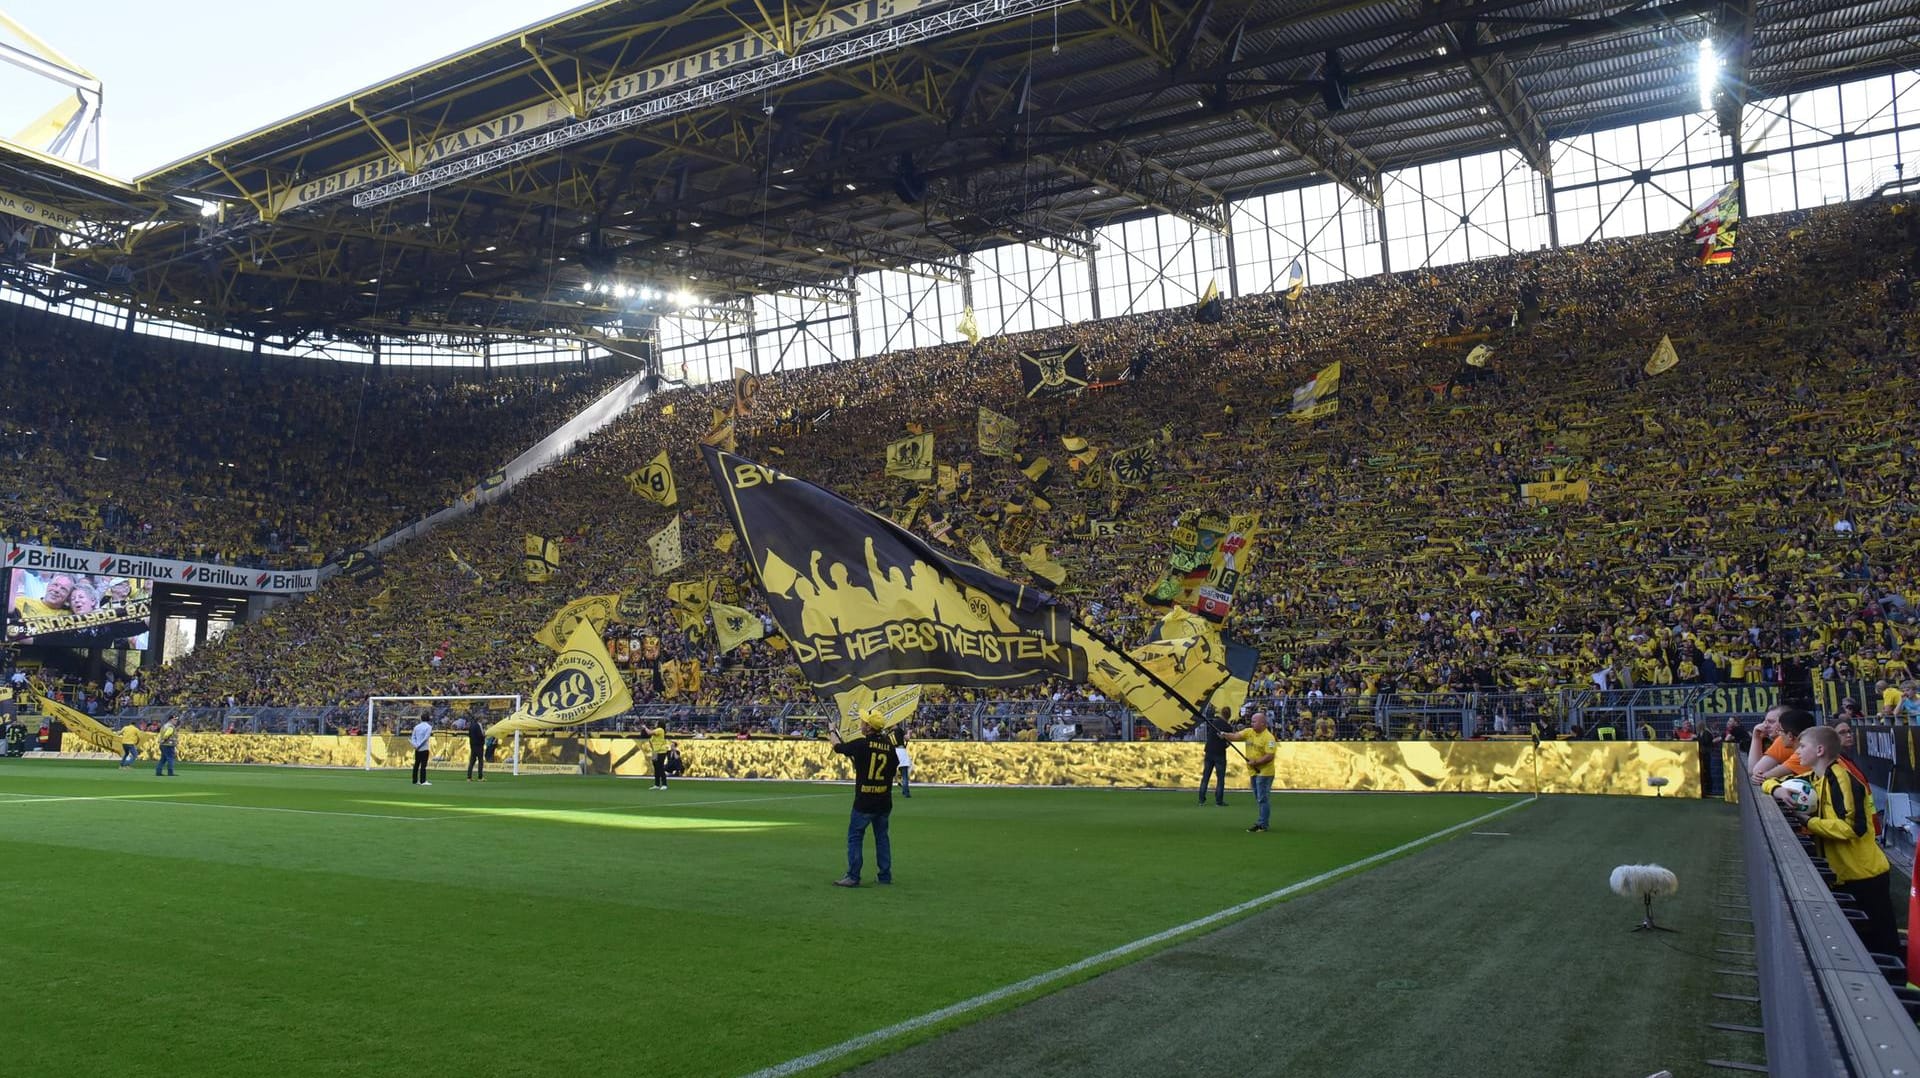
(1744, 508)
(123, 442)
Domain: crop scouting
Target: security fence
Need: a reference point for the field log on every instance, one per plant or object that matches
(1642, 714)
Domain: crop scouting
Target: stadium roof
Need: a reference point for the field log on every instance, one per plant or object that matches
(1034, 129)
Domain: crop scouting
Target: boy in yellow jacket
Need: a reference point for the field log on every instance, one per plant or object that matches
(1842, 830)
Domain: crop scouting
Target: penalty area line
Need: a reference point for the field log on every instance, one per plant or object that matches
(1041, 980)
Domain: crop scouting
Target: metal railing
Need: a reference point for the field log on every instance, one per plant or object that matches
(1827, 1009)
(1651, 713)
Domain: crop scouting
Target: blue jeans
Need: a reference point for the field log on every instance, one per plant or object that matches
(1262, 792)
(856, 838)
(1214, 770)
(166, 760)
(128, 754)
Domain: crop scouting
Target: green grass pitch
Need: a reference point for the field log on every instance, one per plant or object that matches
(257, 920)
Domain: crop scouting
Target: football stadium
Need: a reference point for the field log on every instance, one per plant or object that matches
(1346, 537)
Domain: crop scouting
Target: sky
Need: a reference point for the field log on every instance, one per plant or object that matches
(183, 77)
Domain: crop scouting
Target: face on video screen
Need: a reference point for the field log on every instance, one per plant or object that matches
(77, 610)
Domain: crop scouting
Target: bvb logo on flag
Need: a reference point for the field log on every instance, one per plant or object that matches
(654, 481)
(1136, 465)
(746, 388)
(582, 685)
(1663, 359)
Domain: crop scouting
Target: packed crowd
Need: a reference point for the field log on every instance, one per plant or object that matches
(1747, 509)
(141, 445)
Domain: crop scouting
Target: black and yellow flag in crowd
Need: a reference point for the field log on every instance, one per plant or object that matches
(582, 685)
(654, 481)
(541, 558)
(1039, 473)
(690, 599)
(1080, 452)
(999, 435)
(733, 626)
(1043, 565)
(1135, 466)
(1663, 359)
(664, 545)
(721, 432)
(1320, 397)
(1208, 309)
(746, 387)
(1296, 285)
(466, 567)
(890, 707)
(596, 611)
(911, 458)
(864, 602)
(362, 566)
(984, 557)
(1053, 372)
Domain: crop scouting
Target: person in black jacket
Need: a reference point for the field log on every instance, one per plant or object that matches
(1214, 760)
(874, 769)
(476, 749)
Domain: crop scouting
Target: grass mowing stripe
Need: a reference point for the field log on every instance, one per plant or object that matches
(463, 815)
(1041, 980)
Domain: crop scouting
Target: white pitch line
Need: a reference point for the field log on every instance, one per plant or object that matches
(454, 812)
(148, 799)
(866, 1040)
(29, 799)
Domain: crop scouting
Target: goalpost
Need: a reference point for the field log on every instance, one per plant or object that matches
(410, 708)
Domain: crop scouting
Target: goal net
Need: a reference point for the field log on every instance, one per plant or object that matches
(391, 719)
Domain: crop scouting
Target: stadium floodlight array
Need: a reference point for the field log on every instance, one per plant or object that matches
(424, 704)
(787, 69)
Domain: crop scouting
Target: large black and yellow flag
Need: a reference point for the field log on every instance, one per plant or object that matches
(1053, 372)
(864, 602)
(654, 481)
(541, 558)
(582, 685)
(746, 387)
